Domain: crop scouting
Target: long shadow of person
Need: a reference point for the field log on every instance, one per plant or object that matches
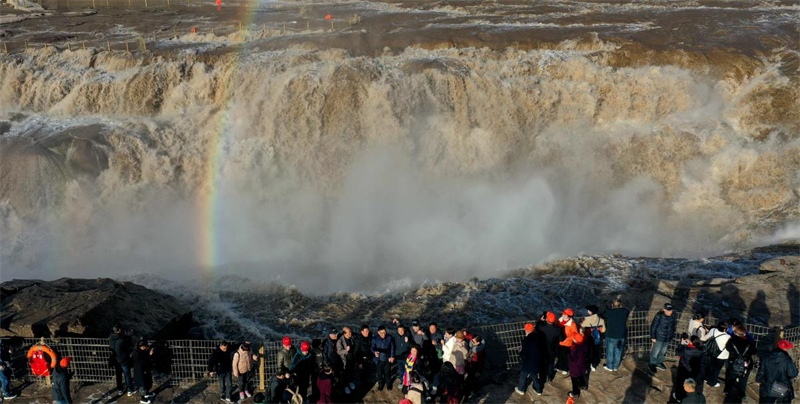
(793, 296)
(759, 312)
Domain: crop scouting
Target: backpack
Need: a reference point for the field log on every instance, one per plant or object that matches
(739, 365)
(596, 335)
(712, 348)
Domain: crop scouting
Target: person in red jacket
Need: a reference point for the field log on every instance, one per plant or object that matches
(570, 328)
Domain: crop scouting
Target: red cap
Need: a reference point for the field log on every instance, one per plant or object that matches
(287, 341)
(305, 346)
(65, 361)
(529, 327)
(551, 317)
(569, 312)
(785, 345)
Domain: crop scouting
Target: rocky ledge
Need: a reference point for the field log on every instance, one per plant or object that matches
(88, 308)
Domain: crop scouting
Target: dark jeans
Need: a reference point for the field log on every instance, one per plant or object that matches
(614, 349)
(715, 368)
(577, 384)
(595, 352)
(550, 364)
(524, 375)
(735, 387)
(225, 382)
(5, 382)
(120, 372)
(383, 374)
(244, 378)
(563, 358)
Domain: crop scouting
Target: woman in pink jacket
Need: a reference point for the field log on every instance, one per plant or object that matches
(242, 364)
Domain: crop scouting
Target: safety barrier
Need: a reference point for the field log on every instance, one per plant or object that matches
(185, 361)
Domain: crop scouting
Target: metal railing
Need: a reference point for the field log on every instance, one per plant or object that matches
(185, 361)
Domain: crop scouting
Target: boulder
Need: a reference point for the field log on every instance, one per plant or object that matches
(89, 308)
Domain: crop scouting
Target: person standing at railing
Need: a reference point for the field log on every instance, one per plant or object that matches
(61, 378)
(286, 354)
(616, 334)
(740, 364)
(121, 346)
(220, 365)
(383, 352)
(775, 375)
(578, 362)
(5, 371)
(242, 364)
(594, 339)
(303, 367)
(552, 336)
(570, 328)
(531, 360)
(696, 326)
(330, 355)
(662, 332)
(690, 364)
(716, 341)
(402, 345)
(143, 371)
(363, 356)
(346, 349)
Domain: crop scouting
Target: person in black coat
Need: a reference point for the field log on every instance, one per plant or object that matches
(363, 356)
(220, 364)
(60, 380)
(278, 384)
(736, 382)
(121, 348)
(143, 370)
(330, 357)
(776, 370)
(690, 364)
(662, 332)
(531, 356)
(552, 336)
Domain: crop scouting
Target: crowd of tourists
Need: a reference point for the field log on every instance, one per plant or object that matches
(429, 364)
(434, 366)
(575, 348)
(426, 363)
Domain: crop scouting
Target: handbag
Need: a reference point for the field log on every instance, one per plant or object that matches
(778, 390)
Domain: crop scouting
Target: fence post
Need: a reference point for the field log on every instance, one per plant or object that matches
(191, 358)
(262, 369)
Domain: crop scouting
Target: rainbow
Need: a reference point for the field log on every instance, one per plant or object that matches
(210, 254)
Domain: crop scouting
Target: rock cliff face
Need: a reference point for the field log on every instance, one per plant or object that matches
(770, 298)
(89, 308)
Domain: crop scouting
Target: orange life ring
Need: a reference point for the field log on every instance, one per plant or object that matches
(38, 364)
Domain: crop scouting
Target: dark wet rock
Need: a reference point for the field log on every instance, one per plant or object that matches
(89, 308)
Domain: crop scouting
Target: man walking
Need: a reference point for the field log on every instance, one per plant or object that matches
(662, 332)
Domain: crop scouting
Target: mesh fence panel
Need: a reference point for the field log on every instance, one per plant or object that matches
(185, 361)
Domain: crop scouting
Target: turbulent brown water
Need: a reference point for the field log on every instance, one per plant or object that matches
(336, 164)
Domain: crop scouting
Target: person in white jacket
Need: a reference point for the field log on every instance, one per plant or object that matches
(720, 337)
(696, 326)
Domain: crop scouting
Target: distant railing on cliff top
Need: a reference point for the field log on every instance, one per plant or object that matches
(185, 361)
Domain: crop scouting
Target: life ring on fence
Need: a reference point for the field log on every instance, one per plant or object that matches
(40, 366)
